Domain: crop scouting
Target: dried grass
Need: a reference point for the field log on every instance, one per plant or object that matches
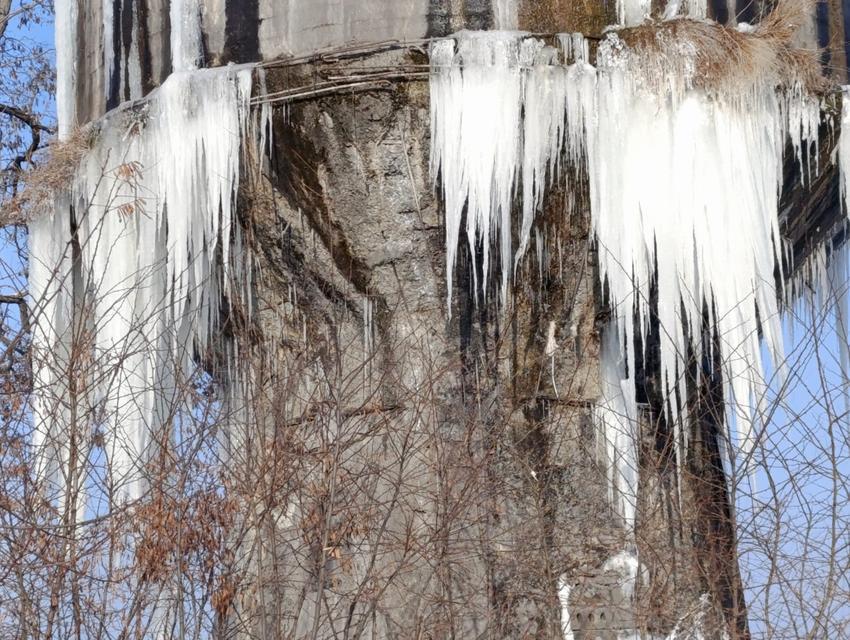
(723, 59)
(53, 175)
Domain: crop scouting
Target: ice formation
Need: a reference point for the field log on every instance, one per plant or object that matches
(505, 14)
(108, 9)
(564, 590)
(153, 203)
(633, 12)
(843, 151)
(481, 84)
(50, 276)
(186, 46)
(51, 308)
(684, 188)
(616, 418)
(129, 84)
(66, 65)
(715, 169)
(693, 9)
(476, 98)
(626, 565)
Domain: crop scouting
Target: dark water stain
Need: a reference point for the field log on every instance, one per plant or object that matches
(719, 11)
(439, 18)
(126, 18)
(113, 80)
(478, 14)
(143, 38)
(241, 31)
(165, 40)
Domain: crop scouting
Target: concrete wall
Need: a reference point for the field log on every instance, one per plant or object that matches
(349, 216)
(251, 30)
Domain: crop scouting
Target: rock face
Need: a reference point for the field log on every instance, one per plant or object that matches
(417, 471)
(479, 478)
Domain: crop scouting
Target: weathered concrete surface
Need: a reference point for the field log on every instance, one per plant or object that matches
(252, 30)
(244, 31)
(413, 476)
(467, 481)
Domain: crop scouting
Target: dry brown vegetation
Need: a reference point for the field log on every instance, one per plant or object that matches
(730, 61)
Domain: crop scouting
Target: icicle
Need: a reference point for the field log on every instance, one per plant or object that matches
(476, 93)
(632, 12)
(564, 589)
(51, 313)
(803, 123)
(683, 185)
(186, 50)
(844, 149)
(134, 58)
(839, 281)
(154, 220)
(696, 9)
(625, 564)
(715, 167)
(66, 65)
(367, 328)
(51, 288)
(616, 421)
(108, 10)
(839, 267)
(506, 15)
(545, 101)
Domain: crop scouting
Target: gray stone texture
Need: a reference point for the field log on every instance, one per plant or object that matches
(419, 475)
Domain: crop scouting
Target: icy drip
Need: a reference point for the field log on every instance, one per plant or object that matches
(684, 194)
(506, 14)
(51, 286)
(51, 313)
(695, 9)
(564, 590)
(687, 186)
(131, 82)
(632, 12)
(186, 50)
(108, 10)
(476, 93)
(134, 66)
(66, 65)
(616, 419)
(838, 271)
(156, 230)
(843, 151)
(497, 97)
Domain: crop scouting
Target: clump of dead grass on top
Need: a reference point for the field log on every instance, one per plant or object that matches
(727, 60)
(52, 175)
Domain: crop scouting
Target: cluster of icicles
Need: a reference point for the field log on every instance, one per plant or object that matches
(153, 209)
(682, 185)
(128, 275)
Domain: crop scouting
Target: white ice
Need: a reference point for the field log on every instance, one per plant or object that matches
(154, 201)
(684, 188)
(186, 37)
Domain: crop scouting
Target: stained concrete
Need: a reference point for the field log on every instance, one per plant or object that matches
(469, 481)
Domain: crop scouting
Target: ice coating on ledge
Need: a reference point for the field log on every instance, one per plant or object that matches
(684, 192)
(153, 203)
